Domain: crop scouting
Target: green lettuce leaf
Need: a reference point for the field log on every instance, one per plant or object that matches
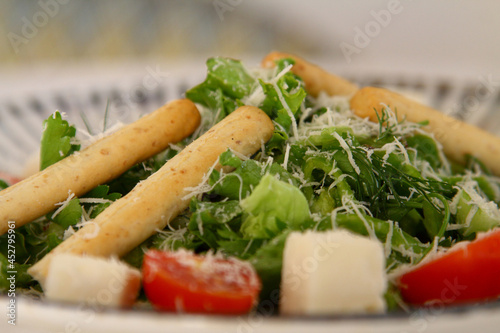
(267, 261)
(283, 97)
(70, 215)
(227, 82)
(21, 278)
(475, 216)
(56, 140)
(426, 149)
(273, 206)
(101, 192)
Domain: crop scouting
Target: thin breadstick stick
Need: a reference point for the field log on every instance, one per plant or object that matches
(99, 163)
(457, 137)
(315, 78)
(153, 203)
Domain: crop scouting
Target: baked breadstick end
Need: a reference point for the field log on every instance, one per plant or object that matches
(99, 163)
(153, 203)
(315, 78)
(457, 137)
(93, 281)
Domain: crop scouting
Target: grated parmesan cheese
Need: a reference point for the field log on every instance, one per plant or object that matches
(287, 154)
(63, 204)
(344, 145)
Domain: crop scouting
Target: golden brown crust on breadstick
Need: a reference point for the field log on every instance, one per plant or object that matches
(315, 78)
(153, 203)
(99, 163)
(457, 137)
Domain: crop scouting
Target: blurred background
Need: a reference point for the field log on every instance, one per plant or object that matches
(75, 55)
(404, 33)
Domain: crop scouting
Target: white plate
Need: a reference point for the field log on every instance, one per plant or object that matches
(39, 317)
(21, 117)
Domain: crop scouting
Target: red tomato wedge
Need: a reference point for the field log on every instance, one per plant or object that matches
(185, 282)
(469, 272)
(11, 180)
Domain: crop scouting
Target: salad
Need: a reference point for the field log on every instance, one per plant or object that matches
(317, 167)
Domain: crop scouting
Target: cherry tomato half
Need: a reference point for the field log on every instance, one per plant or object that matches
(185, 282)
(468, 272)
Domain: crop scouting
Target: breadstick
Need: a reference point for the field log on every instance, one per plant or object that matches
(457, 137)
(315, 78)
(98, 163)
(153, 203)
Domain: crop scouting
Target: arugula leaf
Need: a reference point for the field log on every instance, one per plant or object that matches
(237, 184)
(70, 215)
(228, 158)
(275, 145)
(20, 247)
(56, 142)
(214, 212)
(212, 221)
(227, 82)
(283, 97)
(282, 93)
(176, 236)
(101, 192)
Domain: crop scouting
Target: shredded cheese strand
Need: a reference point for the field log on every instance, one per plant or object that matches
(345, 146)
